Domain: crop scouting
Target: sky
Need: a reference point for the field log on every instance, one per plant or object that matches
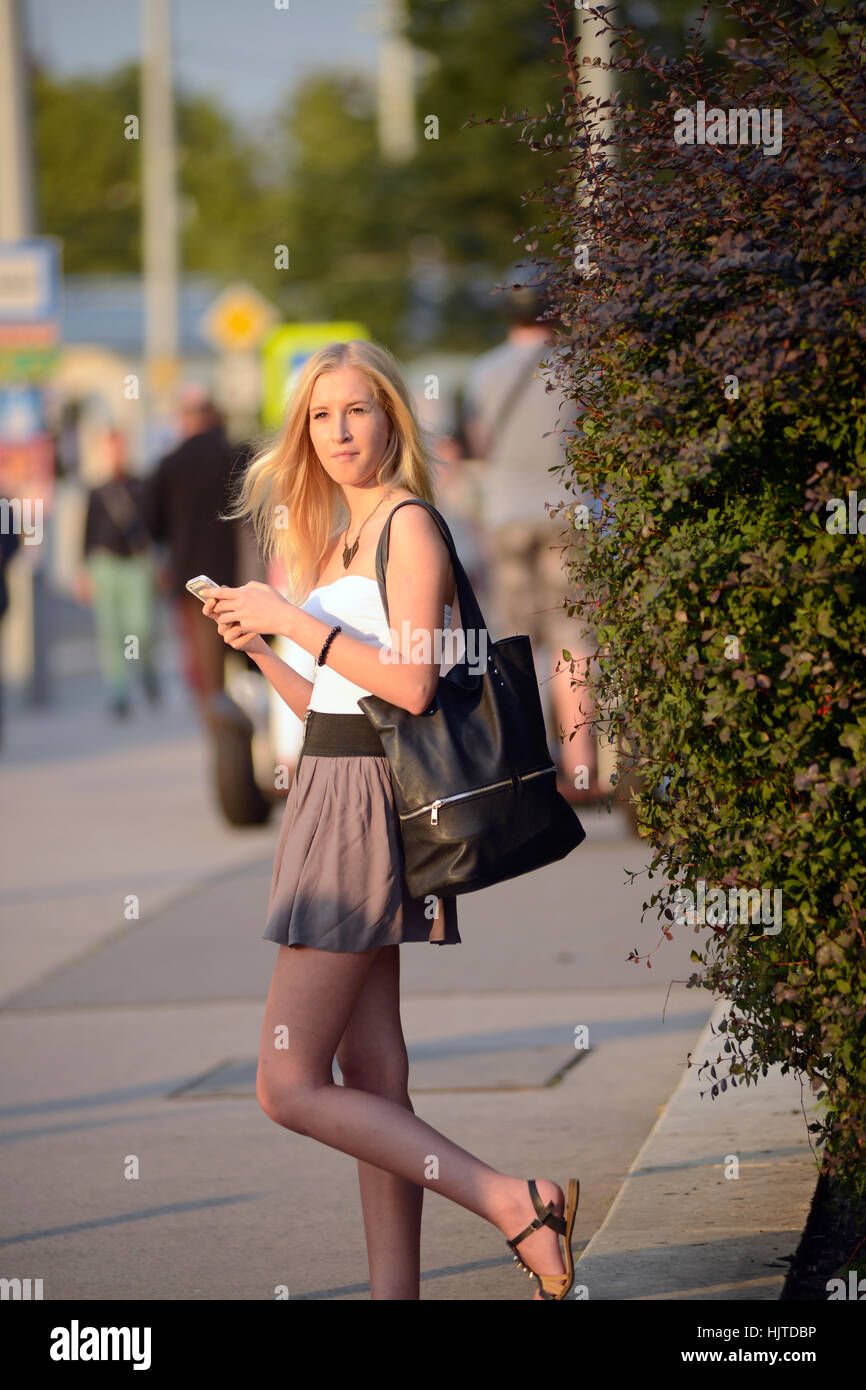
(246, 53)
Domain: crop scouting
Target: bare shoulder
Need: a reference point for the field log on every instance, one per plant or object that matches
(417, 547)
(414, 533)
(416, 538)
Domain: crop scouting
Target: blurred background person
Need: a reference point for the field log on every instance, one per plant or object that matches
(458, 488)
(118, 576)
(188, 491)
(520, 430)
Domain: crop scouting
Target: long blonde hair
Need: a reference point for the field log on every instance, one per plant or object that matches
(294, 506)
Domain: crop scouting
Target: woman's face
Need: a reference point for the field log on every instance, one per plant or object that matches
(348, 427)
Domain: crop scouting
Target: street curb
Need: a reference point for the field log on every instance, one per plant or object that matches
(683, 1226)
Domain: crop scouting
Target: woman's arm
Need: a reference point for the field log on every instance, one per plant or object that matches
(292, 687)
(287, 682)
(419, 576)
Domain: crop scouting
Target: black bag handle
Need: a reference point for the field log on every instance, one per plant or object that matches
(470, 613)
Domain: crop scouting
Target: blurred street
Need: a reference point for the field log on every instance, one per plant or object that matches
(150, 1028)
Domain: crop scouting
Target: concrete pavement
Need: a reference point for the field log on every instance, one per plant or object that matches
(138, 1036)
(716, 1201)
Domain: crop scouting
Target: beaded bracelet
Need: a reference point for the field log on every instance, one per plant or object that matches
(320, 659)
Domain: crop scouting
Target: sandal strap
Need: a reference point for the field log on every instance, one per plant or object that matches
(534, 1193)
(549, 1218)
(544, 1294)
(545, 1217)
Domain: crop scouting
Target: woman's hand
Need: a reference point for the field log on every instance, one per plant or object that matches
(233, 634)
(255, 607)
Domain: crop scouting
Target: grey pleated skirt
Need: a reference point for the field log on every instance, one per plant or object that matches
(338, 882)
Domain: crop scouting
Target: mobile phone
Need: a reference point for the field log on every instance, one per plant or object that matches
(200, 582)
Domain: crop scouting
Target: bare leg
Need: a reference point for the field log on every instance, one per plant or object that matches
(372, 1057)
(572, 703)
(573, 709)
(310, 1002)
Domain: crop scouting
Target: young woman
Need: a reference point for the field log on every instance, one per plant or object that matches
(350, 450)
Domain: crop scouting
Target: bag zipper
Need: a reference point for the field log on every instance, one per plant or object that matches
(433, 806)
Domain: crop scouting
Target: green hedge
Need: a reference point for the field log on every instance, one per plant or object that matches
(714, 331)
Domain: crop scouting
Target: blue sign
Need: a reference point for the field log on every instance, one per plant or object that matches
(21, 414)
(30, 280)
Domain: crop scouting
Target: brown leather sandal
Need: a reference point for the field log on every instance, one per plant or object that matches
(552, 1285)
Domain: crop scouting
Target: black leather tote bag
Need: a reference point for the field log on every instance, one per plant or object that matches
(473, 782)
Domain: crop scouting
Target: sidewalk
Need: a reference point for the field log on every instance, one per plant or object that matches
(716, 1201)
(139, 1037)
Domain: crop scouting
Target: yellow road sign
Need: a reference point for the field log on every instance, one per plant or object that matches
(238, 319)
(287, 349)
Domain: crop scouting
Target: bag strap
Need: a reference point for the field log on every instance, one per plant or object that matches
(470, 613)
(515, 391)
(125, 514)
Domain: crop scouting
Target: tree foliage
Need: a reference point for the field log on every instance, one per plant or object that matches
(87, 173)
(316, 180)
(88, 179)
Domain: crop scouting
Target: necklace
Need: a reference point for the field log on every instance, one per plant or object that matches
(349, 552)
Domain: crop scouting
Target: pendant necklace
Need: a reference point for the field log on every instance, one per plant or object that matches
(349, 552)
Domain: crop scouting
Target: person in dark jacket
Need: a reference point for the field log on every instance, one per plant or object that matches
(189, 489)
(119, 578)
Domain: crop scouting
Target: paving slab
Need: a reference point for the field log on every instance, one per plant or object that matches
(716, 1201)
(228, 1205)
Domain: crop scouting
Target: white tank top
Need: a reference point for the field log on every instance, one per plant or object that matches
(354, 602)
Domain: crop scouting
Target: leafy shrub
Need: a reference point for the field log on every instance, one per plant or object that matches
(712, 300)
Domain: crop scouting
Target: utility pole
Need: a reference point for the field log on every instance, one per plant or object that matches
(159, 209)
(16, 180)
(396, 86)
(597, 83)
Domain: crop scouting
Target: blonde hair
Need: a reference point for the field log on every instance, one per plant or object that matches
(294, 506)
